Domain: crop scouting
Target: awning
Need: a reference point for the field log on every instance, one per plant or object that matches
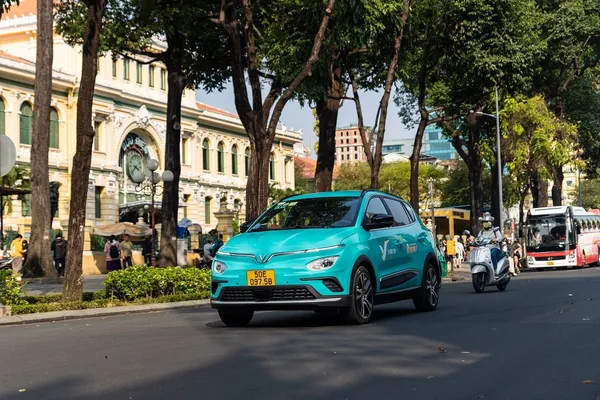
(122, 228)
(7, 191)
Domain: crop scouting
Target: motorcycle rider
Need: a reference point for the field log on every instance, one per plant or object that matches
(493, 235)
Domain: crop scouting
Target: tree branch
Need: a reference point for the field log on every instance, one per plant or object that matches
(457, 142)
(270, 100)
(266, 75)
(253, 64)
(360, 50)
(361, 123)
(150, 54)
(306, 71)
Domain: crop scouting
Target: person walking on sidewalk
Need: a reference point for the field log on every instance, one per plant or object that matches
(460, 252)
(126, 251)
(16, 251)
(59, 247)
(112, 249)
(450, 250)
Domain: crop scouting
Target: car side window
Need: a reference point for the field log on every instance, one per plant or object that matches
(401, 217)
(411, 212)
(375, 206)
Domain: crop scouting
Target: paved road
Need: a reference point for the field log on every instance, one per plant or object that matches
(538, 340)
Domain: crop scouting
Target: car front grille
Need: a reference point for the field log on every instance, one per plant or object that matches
(266, 294)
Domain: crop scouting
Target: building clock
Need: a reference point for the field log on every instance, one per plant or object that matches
(135, 162)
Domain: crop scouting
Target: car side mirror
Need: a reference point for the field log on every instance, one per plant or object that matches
(380, 221)
(244, 227)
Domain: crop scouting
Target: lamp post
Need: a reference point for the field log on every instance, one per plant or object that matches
(152, 184)
(497, 117)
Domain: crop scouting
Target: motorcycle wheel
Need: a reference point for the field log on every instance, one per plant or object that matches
(502, 285)
(479, 282)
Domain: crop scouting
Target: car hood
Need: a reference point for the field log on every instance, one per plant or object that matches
(264, 244)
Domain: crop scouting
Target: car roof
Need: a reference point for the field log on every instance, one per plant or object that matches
(341, 193)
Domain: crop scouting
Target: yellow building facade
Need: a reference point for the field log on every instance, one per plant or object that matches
(129, 117)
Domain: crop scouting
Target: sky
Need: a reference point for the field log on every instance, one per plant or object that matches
(296, 117)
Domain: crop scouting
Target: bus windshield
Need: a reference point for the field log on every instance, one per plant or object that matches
(549, 233)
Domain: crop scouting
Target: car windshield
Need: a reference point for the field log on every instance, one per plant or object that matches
(330, 212)
(549, 233)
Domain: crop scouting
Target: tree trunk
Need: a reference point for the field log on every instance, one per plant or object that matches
(414, 159)
(476, 187)
(559, 177)
(38, 256)
(542, 190)
(257, 187)
(522, 211)
(327, 112)
(73, 289)
(385, 99)
(170, 198)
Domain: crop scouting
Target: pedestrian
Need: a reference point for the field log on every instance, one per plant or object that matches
(126, 251)
(25, 249)
(16, 251)
(460, 252)
(147, 251)
(517, 256)
(218, 245)
(450, 250)
(113, 253)
(59, 246)
(207, 252)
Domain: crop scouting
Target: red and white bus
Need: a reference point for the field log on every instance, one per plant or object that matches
(562, 237)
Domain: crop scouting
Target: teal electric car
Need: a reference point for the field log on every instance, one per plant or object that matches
(338, 252)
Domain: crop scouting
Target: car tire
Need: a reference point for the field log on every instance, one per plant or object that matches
(429, 296)
(363, 296)
(235, 317)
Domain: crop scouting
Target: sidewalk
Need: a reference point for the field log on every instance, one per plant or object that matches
(460, 274)
(91, 283)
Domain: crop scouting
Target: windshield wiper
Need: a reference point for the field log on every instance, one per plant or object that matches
(259, 228)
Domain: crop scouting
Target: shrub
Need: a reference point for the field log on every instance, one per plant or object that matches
(141, 281)
(42, 306)
(55, 298)
(11, 291)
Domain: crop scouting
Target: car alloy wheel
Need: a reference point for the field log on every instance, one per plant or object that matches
(432, 286)
(363, 294)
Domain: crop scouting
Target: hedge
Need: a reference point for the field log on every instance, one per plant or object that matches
(46, 306)
(141, 281)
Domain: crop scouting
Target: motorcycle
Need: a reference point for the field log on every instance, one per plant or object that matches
(482, 268)
(6, 263)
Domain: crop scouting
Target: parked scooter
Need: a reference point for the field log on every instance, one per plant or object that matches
(482, 268)
(6, 263)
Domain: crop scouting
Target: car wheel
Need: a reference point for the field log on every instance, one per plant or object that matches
(235, 317)
(361, 310)
(429, 295)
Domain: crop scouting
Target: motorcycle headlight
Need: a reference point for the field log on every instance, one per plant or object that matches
(322, 263)
(219, 267)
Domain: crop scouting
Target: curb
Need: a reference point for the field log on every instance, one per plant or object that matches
(98, 312)
(456, 279)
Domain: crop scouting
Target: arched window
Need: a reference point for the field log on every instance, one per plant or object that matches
(207, 203)
(234, 160)
(220, 159)
(247, 161)
(2, 123)
(54, 141)
(272, 167)
(205, 155)
(26, 123)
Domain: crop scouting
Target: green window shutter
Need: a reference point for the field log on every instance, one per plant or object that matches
(54, 143)
(25, 122)
(2, 119)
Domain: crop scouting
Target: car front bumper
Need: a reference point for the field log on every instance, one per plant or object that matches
(280, 297)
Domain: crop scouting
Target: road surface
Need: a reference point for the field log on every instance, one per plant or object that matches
(538, 340)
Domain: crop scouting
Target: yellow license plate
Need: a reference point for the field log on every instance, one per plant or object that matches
(549, 263)
(260, 278)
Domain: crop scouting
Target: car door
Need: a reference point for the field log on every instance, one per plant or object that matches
(405, 231)
(381, 247)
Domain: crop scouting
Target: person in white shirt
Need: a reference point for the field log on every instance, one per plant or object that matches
(460, 252)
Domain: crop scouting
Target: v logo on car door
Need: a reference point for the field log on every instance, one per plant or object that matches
(384, 250)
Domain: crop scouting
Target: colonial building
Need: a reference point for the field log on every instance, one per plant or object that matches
(130, 121)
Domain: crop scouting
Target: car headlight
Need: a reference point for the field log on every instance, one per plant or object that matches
(322, 263)
(219, 267)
